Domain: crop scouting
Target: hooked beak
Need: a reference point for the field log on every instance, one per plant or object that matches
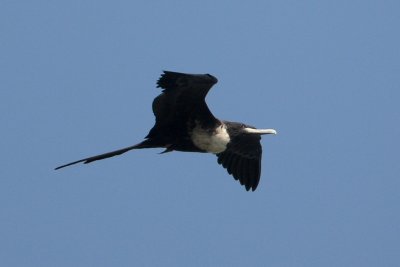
(260, 131)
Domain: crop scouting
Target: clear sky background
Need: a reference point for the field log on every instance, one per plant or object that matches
(77, 78)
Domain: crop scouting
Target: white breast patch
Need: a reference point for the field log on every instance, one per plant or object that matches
(213, 142)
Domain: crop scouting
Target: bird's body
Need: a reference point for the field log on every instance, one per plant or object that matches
(185, 123)
(212, 141)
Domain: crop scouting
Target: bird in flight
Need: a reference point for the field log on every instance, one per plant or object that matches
(185, 123)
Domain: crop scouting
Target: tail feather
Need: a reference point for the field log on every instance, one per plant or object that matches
(145, 144)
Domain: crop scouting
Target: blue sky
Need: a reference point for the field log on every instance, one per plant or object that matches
(78, 78)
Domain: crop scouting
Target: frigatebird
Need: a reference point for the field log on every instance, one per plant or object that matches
(185, 123)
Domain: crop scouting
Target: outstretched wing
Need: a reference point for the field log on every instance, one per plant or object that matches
(182, 101)
(242, 159)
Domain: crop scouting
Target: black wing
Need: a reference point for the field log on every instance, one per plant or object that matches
(181, 102)
(242, 159)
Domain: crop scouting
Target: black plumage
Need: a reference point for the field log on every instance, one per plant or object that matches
(185, 123)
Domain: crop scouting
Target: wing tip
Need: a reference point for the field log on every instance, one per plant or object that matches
(170, 79)
(167, 79)
(248, 174)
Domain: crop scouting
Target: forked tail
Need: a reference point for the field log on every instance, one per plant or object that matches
(145, 144)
